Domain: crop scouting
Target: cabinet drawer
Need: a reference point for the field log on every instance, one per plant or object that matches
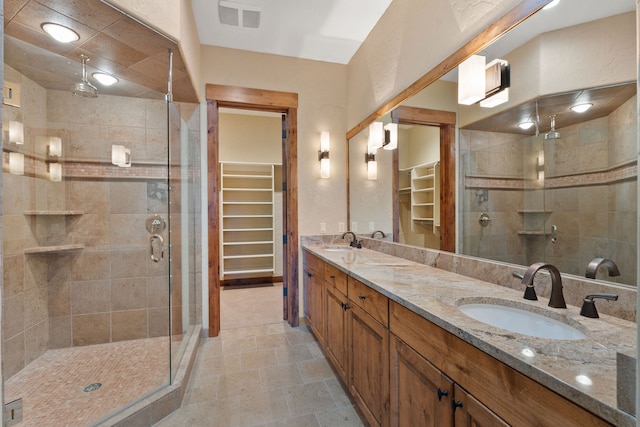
(335, 277)
(313, 263)
(372, 302)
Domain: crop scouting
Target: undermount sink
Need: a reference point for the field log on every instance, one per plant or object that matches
(337, 248)
(520, 320)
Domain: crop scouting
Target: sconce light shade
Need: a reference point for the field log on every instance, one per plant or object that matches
(55, 171)
(391, 130)
(16, 163)
(55, 146)
(323, 155)
(495, 100)
(372, 165)
(376, 136)
(121, 156)
(471, 80)
(16, 132)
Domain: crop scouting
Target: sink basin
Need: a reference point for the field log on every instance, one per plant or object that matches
(337, 248)
(521, 321)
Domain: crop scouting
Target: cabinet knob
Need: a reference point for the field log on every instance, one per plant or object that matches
(309, 274)
(345, 306)
(442, 393)
(332, 277)
(362, 297)
(455, 404)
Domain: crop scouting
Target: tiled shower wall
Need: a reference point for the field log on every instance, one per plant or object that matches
(110, 290)
(500, 178)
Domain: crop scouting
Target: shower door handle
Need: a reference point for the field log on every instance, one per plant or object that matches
(156, 242)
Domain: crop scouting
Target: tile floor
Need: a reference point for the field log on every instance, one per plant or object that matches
(52, 386)
(262, 372)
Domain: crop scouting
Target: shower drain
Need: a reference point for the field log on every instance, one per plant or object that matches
(92, 387)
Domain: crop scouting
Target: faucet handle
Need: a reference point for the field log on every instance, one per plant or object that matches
(589, 305)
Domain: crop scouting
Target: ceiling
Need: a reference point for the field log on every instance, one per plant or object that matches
(323, 30)
(115, 43)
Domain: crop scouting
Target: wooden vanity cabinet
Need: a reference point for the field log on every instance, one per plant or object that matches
(368, 351)
(512, 396)
(469, 412)
(337, 306)
(314, 307)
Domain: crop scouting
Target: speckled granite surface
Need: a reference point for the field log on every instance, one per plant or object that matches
(563, 366)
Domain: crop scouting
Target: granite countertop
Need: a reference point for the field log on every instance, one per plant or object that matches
(565, 367)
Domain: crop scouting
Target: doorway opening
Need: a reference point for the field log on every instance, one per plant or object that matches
(284, 103)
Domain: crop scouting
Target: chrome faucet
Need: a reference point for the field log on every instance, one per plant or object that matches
(556, 300)
(373, 235)
(354, 239)
(592, 268)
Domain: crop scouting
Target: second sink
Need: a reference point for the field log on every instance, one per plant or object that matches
(520, 321)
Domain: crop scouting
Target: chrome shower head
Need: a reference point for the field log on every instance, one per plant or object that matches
(553, 133)
(84, 88)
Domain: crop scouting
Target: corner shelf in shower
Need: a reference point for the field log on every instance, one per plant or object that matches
(532, 233)
(41, 250)
(53, 213)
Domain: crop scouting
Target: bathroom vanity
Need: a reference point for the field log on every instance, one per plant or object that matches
(393, 330)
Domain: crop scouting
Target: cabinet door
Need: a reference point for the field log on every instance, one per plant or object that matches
(314, 294)
(369, 365)
(470, 412)
(336, 335)
(420, 394)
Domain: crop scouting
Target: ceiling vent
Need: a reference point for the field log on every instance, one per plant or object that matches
(238, 15)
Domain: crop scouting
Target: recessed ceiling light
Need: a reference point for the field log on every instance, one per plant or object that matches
(60, 32)
(581, 108)
(552, 4)
(105, 79)
(525, 125)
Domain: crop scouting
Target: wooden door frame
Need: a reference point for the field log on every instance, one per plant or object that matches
(261, 100)
(446, 122)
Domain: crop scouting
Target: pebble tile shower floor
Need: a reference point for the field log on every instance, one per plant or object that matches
(52, 387)
(262, 372)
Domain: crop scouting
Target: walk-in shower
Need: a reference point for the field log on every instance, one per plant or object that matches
(97, 308)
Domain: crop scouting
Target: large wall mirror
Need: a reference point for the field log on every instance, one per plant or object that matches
(564, 195)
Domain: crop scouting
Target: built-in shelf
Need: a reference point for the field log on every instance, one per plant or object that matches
(247, 216)
(53, 213)
(532, 233)
(52, 249)
(533, 211)
(425, 194)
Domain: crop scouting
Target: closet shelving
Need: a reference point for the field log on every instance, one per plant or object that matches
(247, 218)
(425, 193)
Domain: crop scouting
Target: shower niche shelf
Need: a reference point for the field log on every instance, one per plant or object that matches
(52, 213)
(41, 250)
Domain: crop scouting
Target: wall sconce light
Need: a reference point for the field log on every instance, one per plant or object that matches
(16, 132)
(540, 166)
(376, 136)
(390, 136)
(121, 156)
(497, 82)
(372, 165)
(55, 171)
(323, 155)
(16, 163)
(471, 80)
(495, 100)
(55, 146)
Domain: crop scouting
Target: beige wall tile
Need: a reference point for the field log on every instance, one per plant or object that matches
(129, 294)
(36, 341)
(91, 329)
(13, 353)
(128, 325)
(60, 335)
(158, 322)
(13, 316)
(90, 297)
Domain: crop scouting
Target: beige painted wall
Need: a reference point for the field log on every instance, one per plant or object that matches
(322, 97)
(411, 38)
(250, 139)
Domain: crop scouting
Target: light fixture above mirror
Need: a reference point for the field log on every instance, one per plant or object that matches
(323, 154)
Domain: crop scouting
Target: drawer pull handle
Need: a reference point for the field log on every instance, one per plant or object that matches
(309, 274)
(332, 277)
(442, 393)
(362, 297)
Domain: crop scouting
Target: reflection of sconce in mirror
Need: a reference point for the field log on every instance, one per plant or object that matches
(55, 171)
(471, 80)
(485, 83)
(121, 156)
(390, 136)
(55, 146)
(382, 136)
(540, 166)
(372, 165)
(16, 163)
(16, 132)
(323, 154)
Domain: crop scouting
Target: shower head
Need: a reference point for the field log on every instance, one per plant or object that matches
(553, 133)
(84, 88)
